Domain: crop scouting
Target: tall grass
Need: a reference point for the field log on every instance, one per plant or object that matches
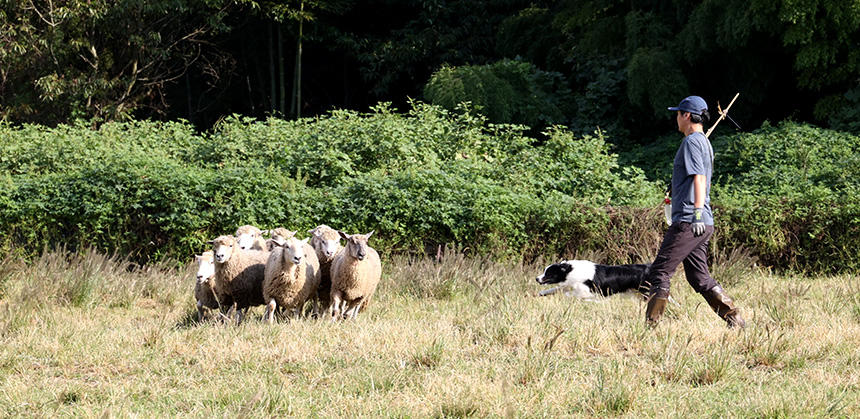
(446, 336)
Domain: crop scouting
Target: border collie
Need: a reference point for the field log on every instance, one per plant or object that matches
(585, 279)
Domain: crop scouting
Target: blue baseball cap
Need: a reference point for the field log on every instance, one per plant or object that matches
(691, 104)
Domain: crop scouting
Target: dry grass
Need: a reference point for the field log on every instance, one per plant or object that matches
(87, 335)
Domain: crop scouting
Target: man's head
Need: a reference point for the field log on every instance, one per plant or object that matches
(692, 111)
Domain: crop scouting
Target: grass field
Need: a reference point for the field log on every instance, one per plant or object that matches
(86, 335)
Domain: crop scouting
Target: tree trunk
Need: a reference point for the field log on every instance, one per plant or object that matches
(283, 95)
(271, 67)
(299, 63)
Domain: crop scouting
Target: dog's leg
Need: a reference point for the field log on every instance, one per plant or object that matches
(549, 291)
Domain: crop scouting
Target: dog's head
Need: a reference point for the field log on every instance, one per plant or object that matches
(555, 273)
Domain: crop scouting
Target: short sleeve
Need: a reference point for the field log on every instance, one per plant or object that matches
(694, 157)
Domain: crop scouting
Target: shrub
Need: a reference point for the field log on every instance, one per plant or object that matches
(420, 178)
(784, 192)
(508, 91)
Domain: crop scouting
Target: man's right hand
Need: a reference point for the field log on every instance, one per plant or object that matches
(698, 226)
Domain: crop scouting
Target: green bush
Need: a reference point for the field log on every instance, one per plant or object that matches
(507, 91)
(420, 178)
(787, 192)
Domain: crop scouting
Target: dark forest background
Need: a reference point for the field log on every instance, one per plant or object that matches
(585, 64)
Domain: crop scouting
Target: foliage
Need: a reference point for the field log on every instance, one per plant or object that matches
(507, 91)
(420, 179)
(102, 59)
(781, 191)
(785, 190)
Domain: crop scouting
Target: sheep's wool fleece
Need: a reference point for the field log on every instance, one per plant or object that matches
(290, 284)
(326, 233)
(240, 279)
(204, 294)
(356, 278)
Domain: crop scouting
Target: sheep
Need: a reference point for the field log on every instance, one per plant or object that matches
(355, 272)
(238, 275)
(326, 242)
(204, 288)
(291, 278)
(250, 238)
(279, 236)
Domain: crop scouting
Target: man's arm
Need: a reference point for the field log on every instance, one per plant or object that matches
(699, 191)
(698, 226)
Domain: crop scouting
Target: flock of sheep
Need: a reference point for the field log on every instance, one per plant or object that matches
(283, 273)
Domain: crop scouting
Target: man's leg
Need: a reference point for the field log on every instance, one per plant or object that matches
(696, 271)
(672, 251)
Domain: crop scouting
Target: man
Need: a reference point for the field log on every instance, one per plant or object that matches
(692, 221)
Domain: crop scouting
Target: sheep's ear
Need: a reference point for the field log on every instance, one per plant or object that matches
(343, 235)
(198, 257)
(291, 234)
(266, 232)
(305, 241)
(211, 242)
(369, 234)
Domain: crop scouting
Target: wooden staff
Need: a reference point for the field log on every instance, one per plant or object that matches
(723, 114)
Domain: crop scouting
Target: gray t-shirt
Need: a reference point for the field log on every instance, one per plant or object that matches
(694, 157)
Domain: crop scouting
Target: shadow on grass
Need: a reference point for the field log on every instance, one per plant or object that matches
(189, 320)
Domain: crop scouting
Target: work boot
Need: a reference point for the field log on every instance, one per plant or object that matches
(654, 311)
(724, 306)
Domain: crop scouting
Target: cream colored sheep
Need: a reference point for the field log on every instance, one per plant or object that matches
(238, 275)
(204, 288)
(355, 273)
(279, 236)
(326, 242)
(292, 277)
(250, 238)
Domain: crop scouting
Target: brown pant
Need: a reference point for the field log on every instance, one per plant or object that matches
(679, 244)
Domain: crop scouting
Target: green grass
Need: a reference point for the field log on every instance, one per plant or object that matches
(87, 335)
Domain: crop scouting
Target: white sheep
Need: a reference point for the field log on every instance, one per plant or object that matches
(355, 273)
(278, 236)
(292, 277)
(326, 242)
(204, 288)
(238, 275)
(250, 238)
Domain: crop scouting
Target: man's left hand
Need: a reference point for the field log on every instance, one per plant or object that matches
(698, 226)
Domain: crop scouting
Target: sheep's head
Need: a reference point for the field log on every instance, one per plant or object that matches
(325, 240)
(205, 266)
(223, 248)
(356, 244)
(279, 237)
(294, 250)
(247, 235)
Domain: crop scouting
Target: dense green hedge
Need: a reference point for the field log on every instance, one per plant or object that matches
(420, 178)
(786, 192)
(790, 193)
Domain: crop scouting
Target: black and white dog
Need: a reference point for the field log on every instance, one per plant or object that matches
(584, 279)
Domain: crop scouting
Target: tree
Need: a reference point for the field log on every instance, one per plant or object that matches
(102, 58)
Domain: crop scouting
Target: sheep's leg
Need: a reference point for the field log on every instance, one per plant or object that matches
(316, 312)
(240, 315)
(269, 317)
(344, 309)
(231, 313)
(354, 306)
(334, 308)
(200, 312)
